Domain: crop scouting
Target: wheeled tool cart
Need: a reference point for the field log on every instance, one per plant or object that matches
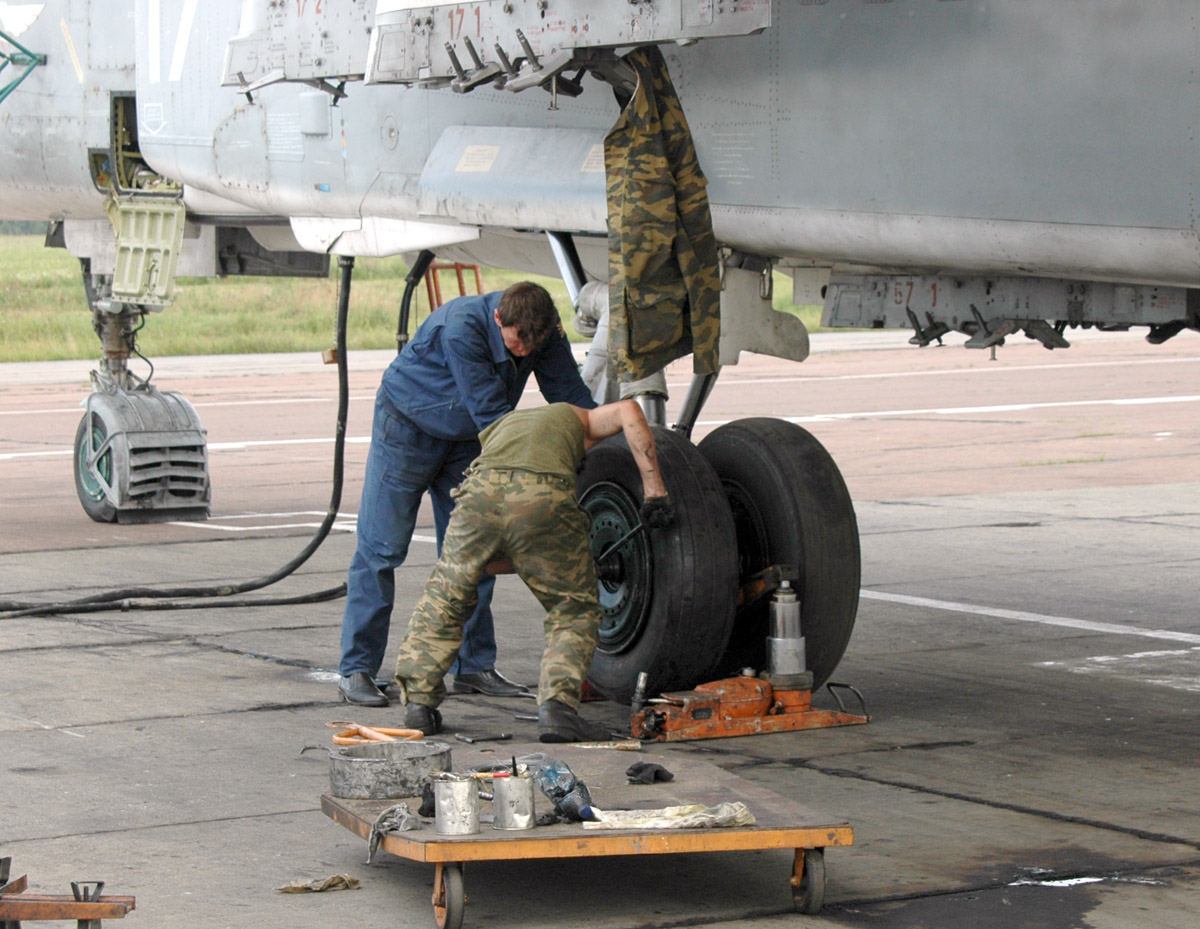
(780, 822)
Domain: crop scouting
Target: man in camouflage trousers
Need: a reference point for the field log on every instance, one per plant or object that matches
(517, 504)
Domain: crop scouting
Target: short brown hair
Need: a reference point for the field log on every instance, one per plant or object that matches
(530, 308)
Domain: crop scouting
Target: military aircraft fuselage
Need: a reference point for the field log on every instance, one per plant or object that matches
(931, 136)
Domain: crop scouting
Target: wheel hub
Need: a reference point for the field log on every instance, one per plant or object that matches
(625, 575)
(95, 437)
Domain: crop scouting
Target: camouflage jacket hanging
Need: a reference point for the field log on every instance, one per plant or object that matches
(664, 288)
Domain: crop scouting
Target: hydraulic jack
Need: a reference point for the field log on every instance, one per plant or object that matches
(778, 700)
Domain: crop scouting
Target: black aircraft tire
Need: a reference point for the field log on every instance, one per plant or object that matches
(669, 608)
(90, 492)
(790, 506)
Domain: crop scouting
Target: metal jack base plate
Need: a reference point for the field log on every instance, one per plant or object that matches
(731, 707)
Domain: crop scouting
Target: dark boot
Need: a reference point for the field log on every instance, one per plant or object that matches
(425, 718)
(359, 688)
(557, 722)
(490, 683)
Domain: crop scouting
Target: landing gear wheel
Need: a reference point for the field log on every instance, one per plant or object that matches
(790, 506)
(668, 595)
(449, 900)
(90, 437)
(808, 880)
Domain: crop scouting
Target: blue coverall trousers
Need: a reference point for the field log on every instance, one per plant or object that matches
(402, 464)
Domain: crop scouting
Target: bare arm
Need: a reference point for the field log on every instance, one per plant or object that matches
(626, 416)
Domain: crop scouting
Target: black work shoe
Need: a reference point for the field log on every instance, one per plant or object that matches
(359, 688)
(490, 683)
(557, 722)
(425, 718)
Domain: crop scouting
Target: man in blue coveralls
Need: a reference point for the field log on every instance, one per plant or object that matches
(466, 367)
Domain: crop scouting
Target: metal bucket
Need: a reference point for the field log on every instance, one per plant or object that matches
(456, 802)
(513, 803)
(385, 770)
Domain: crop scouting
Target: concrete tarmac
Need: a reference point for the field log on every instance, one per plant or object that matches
(1027, 639)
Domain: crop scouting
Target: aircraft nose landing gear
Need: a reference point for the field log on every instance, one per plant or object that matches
(140, 452)
(140, 456)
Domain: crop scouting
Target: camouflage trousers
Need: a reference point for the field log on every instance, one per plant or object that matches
(534, 520)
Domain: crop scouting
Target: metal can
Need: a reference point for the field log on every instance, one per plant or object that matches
(513, 802)
(456, 804)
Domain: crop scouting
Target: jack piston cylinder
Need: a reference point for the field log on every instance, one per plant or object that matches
(785, 645)
(785, 613)
(786, 657)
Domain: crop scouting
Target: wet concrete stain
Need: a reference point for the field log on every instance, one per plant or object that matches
(1029, 906)
(1057, 897)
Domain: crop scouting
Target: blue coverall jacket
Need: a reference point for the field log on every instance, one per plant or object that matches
(455, 378)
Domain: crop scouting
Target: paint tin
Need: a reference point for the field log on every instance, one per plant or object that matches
(512, 803)
(385, 770)
(456, 804)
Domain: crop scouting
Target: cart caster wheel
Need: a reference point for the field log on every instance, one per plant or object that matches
(448, 897)
(808, 880)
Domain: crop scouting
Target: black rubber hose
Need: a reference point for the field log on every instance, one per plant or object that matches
(420, 266)
(149, 603)
(109, 599)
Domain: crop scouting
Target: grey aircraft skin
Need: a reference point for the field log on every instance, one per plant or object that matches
(883, 145)
(992, 168)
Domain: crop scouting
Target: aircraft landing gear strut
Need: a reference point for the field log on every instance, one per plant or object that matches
(140, 452)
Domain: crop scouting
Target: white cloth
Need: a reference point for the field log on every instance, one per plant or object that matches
(690, 816)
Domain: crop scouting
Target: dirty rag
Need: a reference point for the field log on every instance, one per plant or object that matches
(320, 884)
(398, 818)
(690, 816)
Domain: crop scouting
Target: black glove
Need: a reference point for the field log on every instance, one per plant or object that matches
(657, 512)
(645, 773)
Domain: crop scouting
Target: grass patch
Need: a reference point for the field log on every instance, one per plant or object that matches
(45, 315)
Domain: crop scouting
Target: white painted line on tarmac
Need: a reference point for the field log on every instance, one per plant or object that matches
(212, 446)
(67, 409)
(729, 375)
(200, 406)
(280, 515)
(731, 379)
(813, 418)
(972, 410)
(277, 401)
(1175, 668)
(345, 522)
(218, 527)
(237, 446)
(42, 725)
(1084, 625)
(12, 456)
